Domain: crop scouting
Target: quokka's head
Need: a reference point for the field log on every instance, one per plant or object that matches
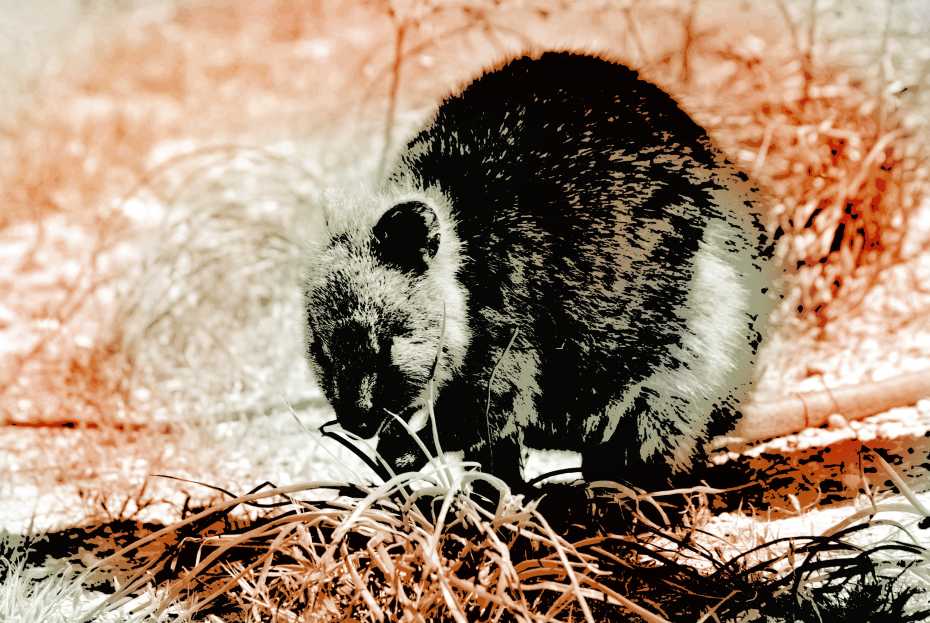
(384, 310)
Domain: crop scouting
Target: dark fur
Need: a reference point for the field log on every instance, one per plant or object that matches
(580, 195)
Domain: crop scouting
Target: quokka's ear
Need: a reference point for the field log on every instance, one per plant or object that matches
(407, 237)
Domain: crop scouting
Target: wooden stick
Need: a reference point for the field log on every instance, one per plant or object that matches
(764, 420)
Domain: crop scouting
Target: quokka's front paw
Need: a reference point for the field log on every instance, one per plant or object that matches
(399, 450)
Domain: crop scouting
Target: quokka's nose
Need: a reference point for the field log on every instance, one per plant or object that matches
(356, 410)
(357, 420)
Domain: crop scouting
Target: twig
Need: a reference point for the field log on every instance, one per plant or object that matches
(772, 419)
(392, 97)
(487, 406)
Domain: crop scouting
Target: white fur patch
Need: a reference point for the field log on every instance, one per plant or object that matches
(615, 411)
(710, 355)
(418, 420)
(365, 392)
(413, 356)
(520, 368)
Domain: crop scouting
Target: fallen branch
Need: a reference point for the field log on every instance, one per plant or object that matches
(765, 420)
(164, 427)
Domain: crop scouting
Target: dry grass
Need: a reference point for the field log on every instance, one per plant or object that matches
(847, 172)
(437, 554)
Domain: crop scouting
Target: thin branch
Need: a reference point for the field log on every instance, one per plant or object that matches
(392, 98)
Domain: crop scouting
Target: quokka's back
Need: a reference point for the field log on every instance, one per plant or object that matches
(568, 257)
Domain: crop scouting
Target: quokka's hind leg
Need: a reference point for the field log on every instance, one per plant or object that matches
(504, 460)
(654, 446)
(621, 463)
